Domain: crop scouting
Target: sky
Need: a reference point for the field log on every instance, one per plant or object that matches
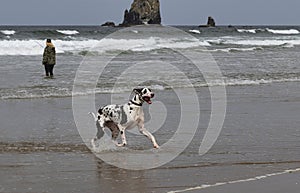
(173, 12)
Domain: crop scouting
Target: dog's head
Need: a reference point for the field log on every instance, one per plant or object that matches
(145, 94)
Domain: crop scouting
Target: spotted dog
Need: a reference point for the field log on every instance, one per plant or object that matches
(118, 118)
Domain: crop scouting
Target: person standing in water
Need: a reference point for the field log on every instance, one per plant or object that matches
(49, 58)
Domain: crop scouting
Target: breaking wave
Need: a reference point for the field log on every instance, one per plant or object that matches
(8, 32)
(273, 31)
(35, 47)
(68, 32)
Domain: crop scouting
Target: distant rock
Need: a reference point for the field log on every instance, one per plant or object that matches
(109, 24)
(142, 12)
(210, 22)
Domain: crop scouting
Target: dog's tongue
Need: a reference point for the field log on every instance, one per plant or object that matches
(149, 102)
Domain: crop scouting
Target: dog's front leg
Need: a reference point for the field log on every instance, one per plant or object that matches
(145, 132)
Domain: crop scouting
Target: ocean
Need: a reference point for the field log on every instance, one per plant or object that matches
(42, 149)
(266, 54)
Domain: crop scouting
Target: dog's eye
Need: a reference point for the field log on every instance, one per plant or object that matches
(145, 91)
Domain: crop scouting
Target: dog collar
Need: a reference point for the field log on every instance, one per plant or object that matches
(137, 104)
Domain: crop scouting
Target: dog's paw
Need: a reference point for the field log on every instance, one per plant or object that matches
(121, 144)
(156, 146)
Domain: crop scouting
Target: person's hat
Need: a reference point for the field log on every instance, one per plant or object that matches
(48, 40)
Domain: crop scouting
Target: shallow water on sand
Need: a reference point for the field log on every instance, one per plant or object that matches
(260, 136)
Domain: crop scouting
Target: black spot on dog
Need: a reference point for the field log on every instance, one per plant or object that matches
(98, 117)
(100, 111)
(122, 132)
(131, 108)
(111, 114)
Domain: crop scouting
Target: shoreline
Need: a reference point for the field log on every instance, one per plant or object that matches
(259, 137)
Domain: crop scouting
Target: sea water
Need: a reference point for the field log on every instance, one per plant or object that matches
(40, 144)
(246, 55)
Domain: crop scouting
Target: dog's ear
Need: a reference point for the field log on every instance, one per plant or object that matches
(137, 90)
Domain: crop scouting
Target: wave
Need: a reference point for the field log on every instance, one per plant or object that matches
(235, 49)
(283, 42)
(247, 30)
(28, 147)
(8, 32)
(68, 32)
(194, 31)
(273, 31)
(67, 92)
(74, 45)
(71, 45)
(284, 32)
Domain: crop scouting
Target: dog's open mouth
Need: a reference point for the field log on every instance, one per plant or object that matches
(147, 99)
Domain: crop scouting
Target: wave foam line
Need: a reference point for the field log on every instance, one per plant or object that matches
(29, 147)
(284, 32)
(68, 32)
(273, 31)
(8, 32)
(204, 186)
(247, 30)
(194, 31)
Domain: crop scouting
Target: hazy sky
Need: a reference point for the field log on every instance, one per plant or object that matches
(174, 12)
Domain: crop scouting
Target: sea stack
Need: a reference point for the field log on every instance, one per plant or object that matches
(142, 12)
(211, 22)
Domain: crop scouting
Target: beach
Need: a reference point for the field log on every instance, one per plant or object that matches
(260, 136)
(42, 148)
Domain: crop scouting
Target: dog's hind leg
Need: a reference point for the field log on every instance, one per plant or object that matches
(100, 134)
(114, 130)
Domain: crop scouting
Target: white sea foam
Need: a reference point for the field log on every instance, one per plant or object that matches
(68, 32)
(235, 49)
(263, 42)
(205, 186)
(284, 32)
(28, 93)
(71, 45)
(247, 30)
(135, 31)
(35, 47)
(274, 31)
(194, 31)
(8, 32)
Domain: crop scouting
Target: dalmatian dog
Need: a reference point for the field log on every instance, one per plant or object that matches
(118, 118)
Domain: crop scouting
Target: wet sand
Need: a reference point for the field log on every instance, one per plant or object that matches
(41, 150)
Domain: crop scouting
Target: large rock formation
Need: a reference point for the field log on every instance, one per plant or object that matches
(142, 12)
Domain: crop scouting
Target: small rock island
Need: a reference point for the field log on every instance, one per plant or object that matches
(210, 22)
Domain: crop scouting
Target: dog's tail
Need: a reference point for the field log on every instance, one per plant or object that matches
(94, 116)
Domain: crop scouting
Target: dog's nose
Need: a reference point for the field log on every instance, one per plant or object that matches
(152, 95)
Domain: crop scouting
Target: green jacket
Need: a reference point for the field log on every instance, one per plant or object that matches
(49, 55)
